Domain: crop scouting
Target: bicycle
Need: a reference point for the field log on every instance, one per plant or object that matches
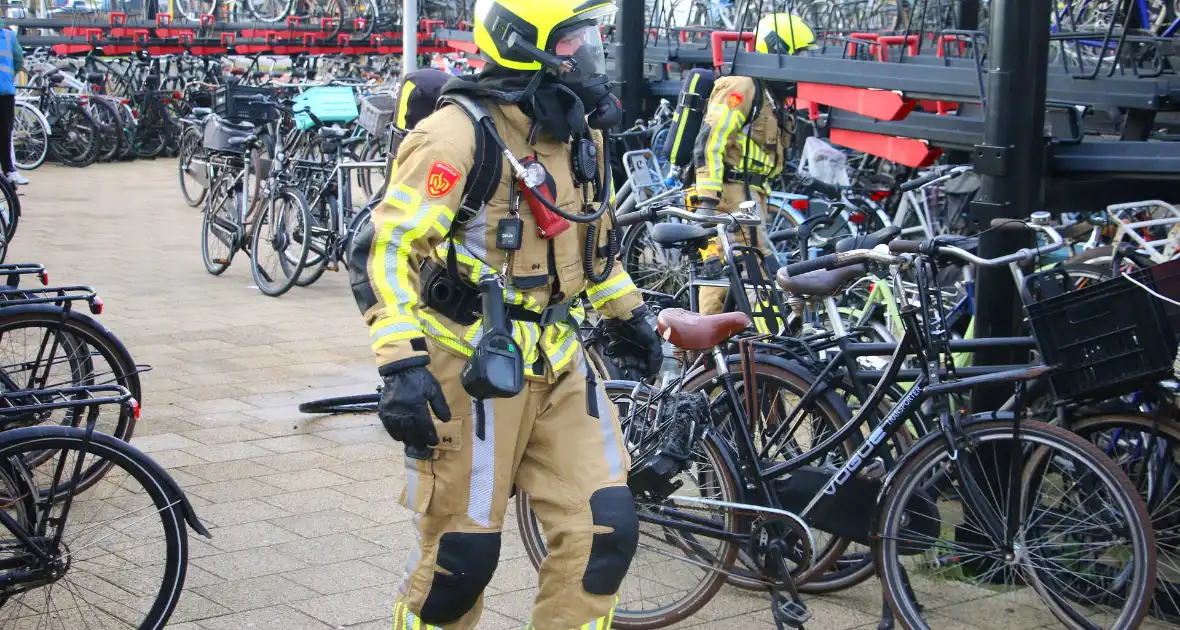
(741, 506)
(229, 225)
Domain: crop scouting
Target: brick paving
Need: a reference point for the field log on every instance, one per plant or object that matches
(306, 530)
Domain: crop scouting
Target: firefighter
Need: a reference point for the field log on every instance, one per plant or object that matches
(540, 240)
(737, 158)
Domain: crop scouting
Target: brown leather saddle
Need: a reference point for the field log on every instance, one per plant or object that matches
(693, 331)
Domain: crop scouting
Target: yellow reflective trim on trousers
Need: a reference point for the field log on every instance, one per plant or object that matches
(602, 623)
(609, 290)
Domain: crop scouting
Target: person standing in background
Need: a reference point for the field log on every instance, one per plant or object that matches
(11, 62)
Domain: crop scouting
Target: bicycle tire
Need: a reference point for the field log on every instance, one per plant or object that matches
(83, 130)
(320, 250)
(219, 194)
(277, 16)
(1166, 600)
(10, 209)
(359, 403)
(155, 123)
(191, 148)
(90, 339)
(32, 148)
(107, 118)
(288, 265)
(156, 485)
(535, 546)
(895, 509)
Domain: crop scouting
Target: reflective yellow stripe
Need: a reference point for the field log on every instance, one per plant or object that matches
(719, 139)
(436, 331)
(602, 293)
(404, 103)
(692, 86)
(562, 356)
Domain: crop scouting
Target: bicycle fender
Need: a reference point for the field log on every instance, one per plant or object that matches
(171, 489)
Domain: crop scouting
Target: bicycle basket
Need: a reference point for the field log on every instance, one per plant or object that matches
(335, 104)
(377, 113)
(231, 102)
(218, 134)
(1108, 339)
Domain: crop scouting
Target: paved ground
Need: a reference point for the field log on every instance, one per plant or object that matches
(307, 532)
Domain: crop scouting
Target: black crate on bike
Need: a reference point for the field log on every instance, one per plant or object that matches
(231, 102)
(1108, 339)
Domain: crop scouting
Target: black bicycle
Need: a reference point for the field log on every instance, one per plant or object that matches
(993, 505)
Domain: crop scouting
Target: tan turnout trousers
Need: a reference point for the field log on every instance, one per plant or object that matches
(560, 443)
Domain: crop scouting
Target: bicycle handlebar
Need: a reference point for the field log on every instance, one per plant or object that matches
(653, 214)
(845, 259)
(935, 247)
(934, 176)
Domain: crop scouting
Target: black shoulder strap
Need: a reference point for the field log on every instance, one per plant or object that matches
(484, 178)
(756, 107)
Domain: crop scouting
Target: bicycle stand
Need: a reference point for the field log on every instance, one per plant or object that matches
(887, 621)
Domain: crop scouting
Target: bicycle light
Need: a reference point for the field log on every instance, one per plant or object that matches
(44, 278)
(96, 305)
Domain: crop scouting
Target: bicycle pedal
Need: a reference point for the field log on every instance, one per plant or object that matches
(221, 261)
(792, 613)
(333, 268)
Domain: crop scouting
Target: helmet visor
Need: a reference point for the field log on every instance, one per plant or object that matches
(584, 47)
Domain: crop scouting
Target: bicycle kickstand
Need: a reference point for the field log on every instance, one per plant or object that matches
(887, 612)
(787, 611)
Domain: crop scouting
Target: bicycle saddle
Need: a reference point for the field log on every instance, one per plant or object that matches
(677, 234)
(822, 283)
(237, 128)
(868, 241)
(692, 331)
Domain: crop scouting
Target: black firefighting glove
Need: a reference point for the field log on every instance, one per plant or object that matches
(634, 342)
(403, 407)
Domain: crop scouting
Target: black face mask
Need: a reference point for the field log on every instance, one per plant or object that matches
(603, 109)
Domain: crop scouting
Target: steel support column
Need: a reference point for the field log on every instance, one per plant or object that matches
(409, 36)
(1012, 162)
(631, 36)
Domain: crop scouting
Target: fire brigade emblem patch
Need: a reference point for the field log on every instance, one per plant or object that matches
(441, 180)
(735, 99)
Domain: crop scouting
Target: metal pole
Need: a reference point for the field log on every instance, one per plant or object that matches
(631, 37)
(1012, 163)
(968, 15)
(409, 36)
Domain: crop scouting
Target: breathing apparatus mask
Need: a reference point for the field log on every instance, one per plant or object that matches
(582, 52)
(579, 63)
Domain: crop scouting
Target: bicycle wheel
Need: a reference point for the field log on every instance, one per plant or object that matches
(75, 137)
(269, 10)
(674, 573)
(9, 209)
(360, 403)
(155, 126)
(219, 229)
(106, 117)
(122, 554)
(280, 242)
(191, 162)
(931, 539)
(319, 252)
(1149, 453)
(45, 348)
(30, 137)
(193, 9)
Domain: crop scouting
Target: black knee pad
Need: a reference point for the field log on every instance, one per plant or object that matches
(469, 560)
(611, 553)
